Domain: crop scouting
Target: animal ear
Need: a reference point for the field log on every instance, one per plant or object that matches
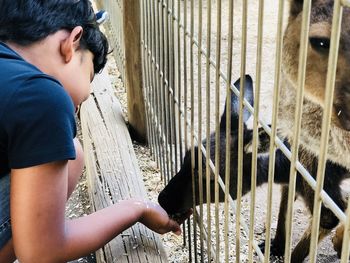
(248, 95)
(296, 6)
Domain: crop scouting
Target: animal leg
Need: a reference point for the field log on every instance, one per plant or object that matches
(278, 243)
(337, 239)
(302, 249)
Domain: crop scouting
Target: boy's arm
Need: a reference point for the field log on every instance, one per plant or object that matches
(42, 234)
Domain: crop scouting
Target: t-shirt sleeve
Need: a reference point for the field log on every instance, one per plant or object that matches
(40, 124)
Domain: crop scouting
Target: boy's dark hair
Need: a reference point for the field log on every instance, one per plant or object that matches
(27, 21)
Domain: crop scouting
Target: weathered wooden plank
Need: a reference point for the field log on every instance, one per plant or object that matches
(97, 188)
(113, 173)
(124, 142)
(111, 179)
(111, 110)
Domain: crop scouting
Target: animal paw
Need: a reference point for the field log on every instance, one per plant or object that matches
(276, 249)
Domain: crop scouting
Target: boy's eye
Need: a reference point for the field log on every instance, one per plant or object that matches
(320, 44)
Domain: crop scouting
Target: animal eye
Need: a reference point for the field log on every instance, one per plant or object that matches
(320, 44)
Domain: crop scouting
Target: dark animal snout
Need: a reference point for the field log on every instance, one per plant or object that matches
(165, 202)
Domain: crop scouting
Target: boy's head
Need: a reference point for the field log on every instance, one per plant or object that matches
(24, 22)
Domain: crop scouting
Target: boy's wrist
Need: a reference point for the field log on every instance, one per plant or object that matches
(138, 207)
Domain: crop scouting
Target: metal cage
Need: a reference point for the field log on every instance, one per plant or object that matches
(192, 53)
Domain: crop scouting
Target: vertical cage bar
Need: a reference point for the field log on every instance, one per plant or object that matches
(159, 90)
(228, 131)
(145, 80)
(240, 129)
(171, 87)
(166, 83)
(185, 74)
(192, 132)
(179, 81)
(146, 57)
(217, 127)
(272, 150)
(186, 132)
(180, 153)
(200, 166)
(161, 99)
(173, 130)
(208, 154)
(153, 70)
(165, 86)
(297, 124)
(155, 93)
(326, 120)
(149, 54)
(255, 128)
(158, 87)
(168, 87)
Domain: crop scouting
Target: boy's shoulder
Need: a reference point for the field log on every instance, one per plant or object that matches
(15, 68)
(24, 88)
(20, 80)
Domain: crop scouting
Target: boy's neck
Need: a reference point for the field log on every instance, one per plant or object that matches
(44, 54)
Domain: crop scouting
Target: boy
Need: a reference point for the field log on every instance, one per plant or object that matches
(49, 53)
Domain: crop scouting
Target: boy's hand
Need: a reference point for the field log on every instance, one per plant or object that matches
(157, 219)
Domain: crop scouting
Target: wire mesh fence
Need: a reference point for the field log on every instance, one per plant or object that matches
(195, 58)
(115, 31)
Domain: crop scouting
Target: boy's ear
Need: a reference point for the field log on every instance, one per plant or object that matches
(71, 43)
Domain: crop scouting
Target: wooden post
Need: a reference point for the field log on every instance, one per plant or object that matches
(133, 66)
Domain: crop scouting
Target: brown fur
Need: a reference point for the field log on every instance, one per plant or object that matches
(338, 239)
(316, 72)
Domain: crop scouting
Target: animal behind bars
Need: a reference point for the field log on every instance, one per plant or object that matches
(338, 163)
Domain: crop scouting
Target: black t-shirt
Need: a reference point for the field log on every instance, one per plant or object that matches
(37, 122)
